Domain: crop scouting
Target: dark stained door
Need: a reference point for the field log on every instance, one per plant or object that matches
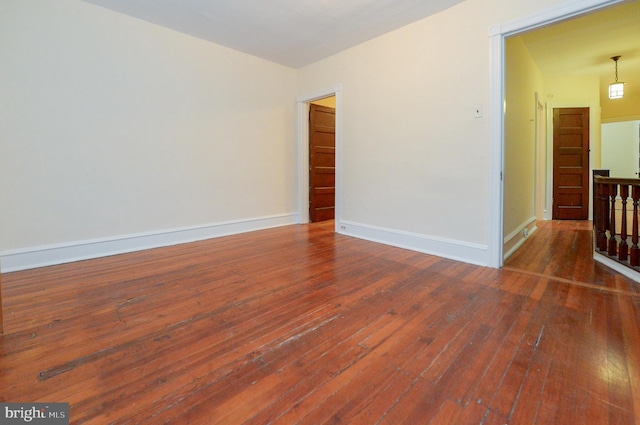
(322, 163)
(570, 163)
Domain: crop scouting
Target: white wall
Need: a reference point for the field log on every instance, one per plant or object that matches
(112, 126)
(620, 148)
(415, 161)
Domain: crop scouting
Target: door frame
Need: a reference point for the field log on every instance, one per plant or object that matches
(540, 192)
(497, 35)
(303, 153)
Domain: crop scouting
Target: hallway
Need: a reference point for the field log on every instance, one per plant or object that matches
(562, 250)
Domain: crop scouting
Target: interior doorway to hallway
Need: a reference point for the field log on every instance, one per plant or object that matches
(322, 159)
(536, 197)
(333, 95)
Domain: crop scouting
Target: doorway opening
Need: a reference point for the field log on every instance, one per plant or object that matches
(331, 98)
(499, 35)
(322, 156)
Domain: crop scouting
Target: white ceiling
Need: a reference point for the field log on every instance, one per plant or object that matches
(294, 33)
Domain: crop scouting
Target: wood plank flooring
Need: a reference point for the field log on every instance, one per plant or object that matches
(300, 325)
(564, 249)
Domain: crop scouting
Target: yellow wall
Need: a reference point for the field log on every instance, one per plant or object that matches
(572, 89)
(327, 101)
(522, 81)
(617, 110)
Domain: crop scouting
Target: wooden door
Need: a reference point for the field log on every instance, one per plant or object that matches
(570, 163)
(322, 163)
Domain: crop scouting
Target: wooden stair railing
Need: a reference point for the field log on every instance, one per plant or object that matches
(611, 219)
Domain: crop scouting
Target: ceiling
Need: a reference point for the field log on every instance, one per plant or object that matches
(293, 33)
(583, 46)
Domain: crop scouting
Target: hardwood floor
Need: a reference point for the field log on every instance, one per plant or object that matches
(564, 250)
(300, 325)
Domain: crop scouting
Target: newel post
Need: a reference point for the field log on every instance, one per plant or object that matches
(623, 249)
(613, 243)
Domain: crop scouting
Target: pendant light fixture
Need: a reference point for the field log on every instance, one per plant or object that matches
(616, 89)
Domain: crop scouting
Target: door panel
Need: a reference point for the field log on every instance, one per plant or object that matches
(571, 163)
(322, 163)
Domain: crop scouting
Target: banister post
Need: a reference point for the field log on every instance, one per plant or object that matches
(613, 243)
(623, 248)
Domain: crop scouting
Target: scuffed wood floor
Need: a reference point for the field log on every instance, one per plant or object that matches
(300, 325)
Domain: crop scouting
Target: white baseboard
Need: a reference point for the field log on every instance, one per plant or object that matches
(514, 240)
(620, 268)
(40, 256)
(455, 250)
